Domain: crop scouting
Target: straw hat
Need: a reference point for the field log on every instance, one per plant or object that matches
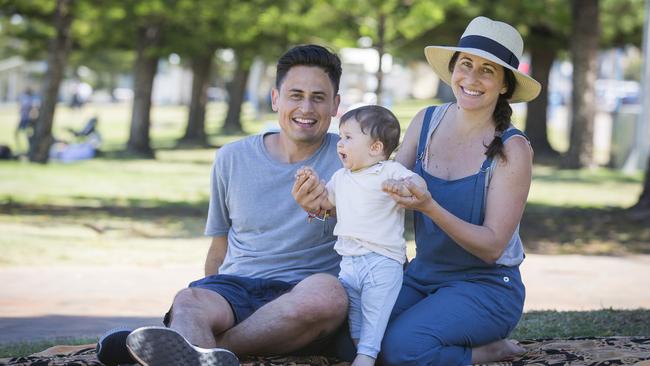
(492, 40)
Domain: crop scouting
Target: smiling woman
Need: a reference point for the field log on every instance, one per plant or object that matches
(478, 171)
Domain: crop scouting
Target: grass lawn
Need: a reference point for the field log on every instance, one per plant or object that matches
(27, 348)
(123, 211)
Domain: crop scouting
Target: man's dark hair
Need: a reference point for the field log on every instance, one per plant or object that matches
(378, 122)
(310, 55)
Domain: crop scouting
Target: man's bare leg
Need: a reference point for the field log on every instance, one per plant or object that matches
(501, 350)
(314, 308)
(198, 314)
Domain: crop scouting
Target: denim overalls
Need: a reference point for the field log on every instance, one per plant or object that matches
(451, 300)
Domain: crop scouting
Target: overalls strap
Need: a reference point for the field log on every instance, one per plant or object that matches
(512, 132)
(424, 134)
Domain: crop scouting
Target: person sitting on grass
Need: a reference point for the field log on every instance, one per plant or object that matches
(270, 285)
(462, 293)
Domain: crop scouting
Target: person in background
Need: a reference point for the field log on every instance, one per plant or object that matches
(29, 105)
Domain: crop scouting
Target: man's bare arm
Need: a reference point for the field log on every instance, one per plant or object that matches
(216, 254)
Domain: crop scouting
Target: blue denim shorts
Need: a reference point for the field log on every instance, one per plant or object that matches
(245, 295)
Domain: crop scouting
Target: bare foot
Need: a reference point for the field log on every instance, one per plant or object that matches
(501, 350)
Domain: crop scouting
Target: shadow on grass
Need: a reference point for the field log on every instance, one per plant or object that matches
(587, 230)
(127, 208)
(547, 229)
(175, 220)
(21, 336)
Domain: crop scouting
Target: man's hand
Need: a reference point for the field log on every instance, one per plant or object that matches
(308, 190)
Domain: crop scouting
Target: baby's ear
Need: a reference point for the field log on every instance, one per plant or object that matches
(377, 148)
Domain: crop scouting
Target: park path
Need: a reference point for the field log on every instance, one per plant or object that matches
(44, 303)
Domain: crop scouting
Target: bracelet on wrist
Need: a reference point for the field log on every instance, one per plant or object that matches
(317, 215)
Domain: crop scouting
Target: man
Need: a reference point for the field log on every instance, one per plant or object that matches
(270, 285)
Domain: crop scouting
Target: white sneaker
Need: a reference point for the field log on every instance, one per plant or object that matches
(159, 346)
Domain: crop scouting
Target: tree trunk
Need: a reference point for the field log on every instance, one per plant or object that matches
(536, 117)
(644, 199)
(195, 131)
(58, 51)
(236, 92)
(381, 44)
(584, 53)
(145, 69)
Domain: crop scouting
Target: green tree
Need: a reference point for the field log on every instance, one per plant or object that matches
(58, 51)
(276, 26)
(607, 23)
(644, 199)
(237, 90)
(391, 24)
(544, 38)
(201, 28)
(47, 25)
(149, 18)
(142, 27)
(585, 32)
(202, 66)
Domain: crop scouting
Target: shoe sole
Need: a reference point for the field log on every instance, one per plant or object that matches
(158, 346)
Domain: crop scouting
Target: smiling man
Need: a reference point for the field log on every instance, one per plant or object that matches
(270, 286)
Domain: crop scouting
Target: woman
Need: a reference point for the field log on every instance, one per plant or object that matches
(463, 289)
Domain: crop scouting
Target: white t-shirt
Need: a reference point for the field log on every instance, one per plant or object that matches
(368, 220)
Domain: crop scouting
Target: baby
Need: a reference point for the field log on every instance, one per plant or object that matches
(370, 225)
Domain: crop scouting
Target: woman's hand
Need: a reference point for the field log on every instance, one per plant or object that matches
(410, 193)
(308, 191)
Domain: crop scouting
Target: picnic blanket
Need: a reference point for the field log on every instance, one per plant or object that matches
(587, 351)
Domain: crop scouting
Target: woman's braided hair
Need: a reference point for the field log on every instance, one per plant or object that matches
(502, 111)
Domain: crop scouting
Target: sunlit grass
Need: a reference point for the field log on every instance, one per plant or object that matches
(22, 349)
(599, 323)
(584, 188)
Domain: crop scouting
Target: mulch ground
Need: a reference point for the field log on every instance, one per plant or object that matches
(588, 351)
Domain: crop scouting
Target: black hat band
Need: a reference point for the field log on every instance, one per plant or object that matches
(491, 46)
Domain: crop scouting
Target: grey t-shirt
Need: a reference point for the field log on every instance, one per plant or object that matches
(268, 233)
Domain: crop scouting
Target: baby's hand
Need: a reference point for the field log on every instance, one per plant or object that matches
(396, 186)
(308, 190)
(306, 172)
